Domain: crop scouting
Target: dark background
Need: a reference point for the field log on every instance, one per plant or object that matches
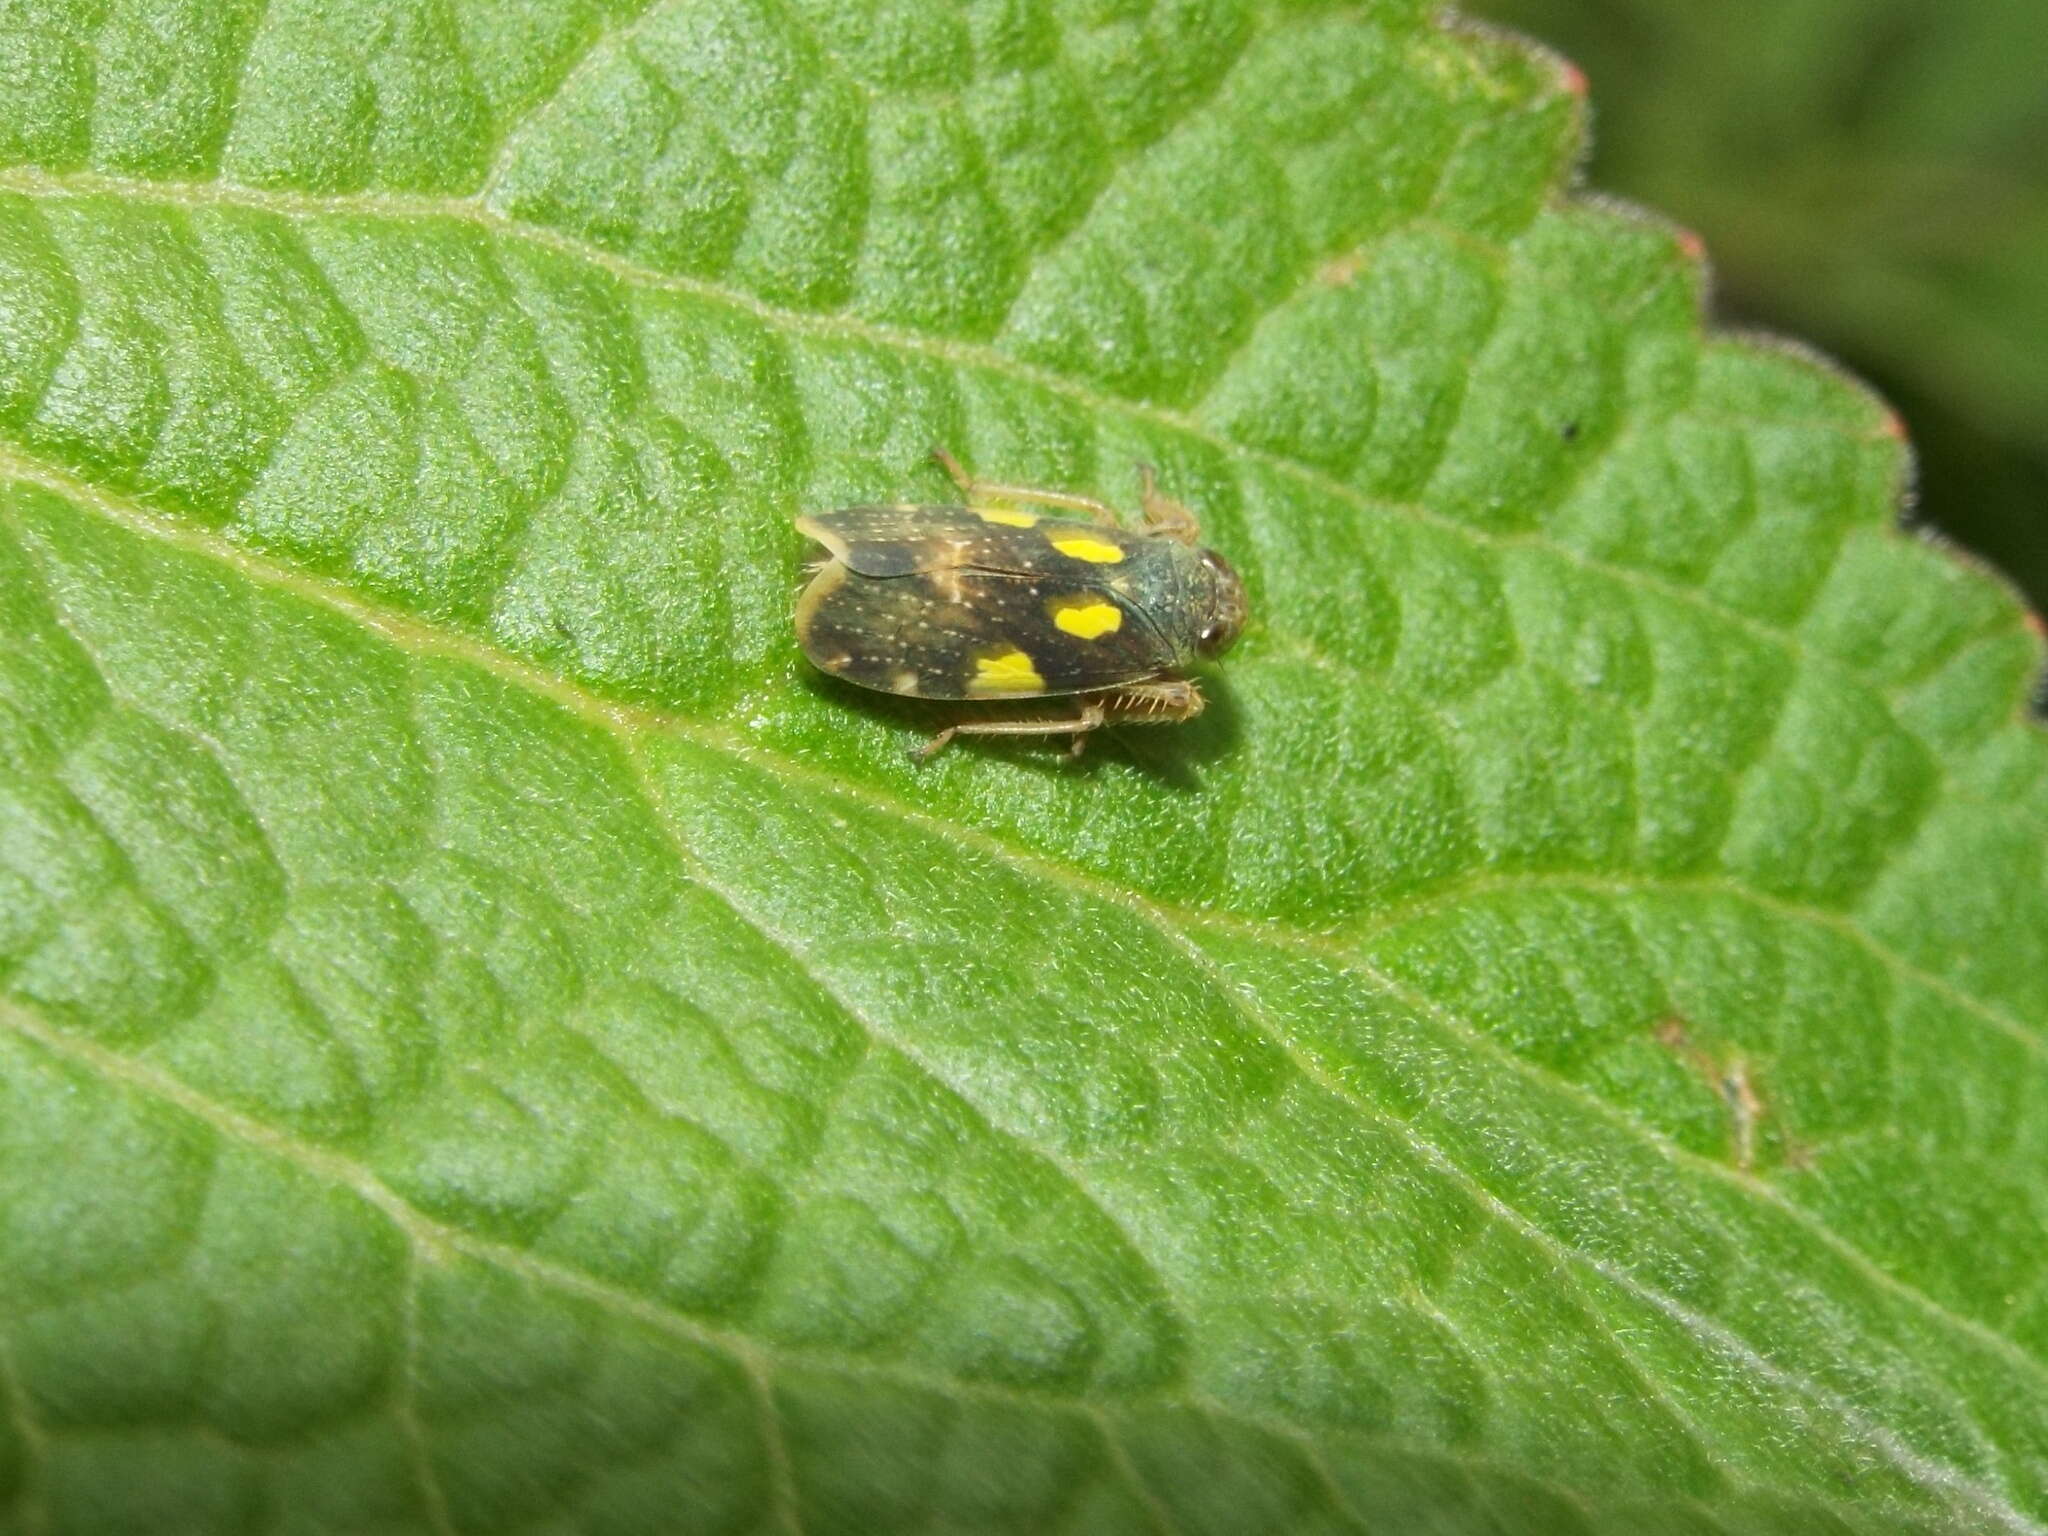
(1872, 176)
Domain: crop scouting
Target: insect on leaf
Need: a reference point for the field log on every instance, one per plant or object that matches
(488, 1038)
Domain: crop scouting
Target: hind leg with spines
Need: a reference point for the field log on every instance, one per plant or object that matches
(1155, 701)
(1092, 717)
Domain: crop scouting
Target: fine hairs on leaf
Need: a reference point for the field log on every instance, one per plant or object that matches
(490, 1041)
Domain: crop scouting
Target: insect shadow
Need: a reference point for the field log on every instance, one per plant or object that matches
(1172, 755)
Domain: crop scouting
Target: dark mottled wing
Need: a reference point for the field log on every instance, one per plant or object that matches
(950, 633)
(894, 541)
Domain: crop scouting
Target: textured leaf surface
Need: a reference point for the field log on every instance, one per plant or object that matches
(490, 1043)
(1873, 177)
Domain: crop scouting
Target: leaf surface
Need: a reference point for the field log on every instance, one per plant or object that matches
(1871, 173)
(490, 1042)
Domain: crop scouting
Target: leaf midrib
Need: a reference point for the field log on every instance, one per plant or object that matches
(299, 206)
(627, 723)
(635, 728)
(409, 633)
(618, 714)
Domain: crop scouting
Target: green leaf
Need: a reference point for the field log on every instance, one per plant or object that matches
(490, 1041)
(1872, 174)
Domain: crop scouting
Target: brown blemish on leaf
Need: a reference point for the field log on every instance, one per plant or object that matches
(1732, 1081)
(1745, 1109)
(1341, 270)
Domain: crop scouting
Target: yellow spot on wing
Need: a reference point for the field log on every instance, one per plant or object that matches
(1008, 671)
(1082, 547)
(1087, 617)
(1006, 517)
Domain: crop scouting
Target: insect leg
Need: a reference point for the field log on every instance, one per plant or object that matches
(1160, 701)
(1164, 516)
(1090, 718)
(975, 492)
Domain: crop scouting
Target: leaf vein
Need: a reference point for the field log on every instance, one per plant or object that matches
(428, 1233)
(958, 354)
(880, 1034)
(432, 1494)
(1703, 1329)
(601, 42)
(627, 722)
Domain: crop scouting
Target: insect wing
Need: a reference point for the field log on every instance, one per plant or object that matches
(953, 633)
(895, 541)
